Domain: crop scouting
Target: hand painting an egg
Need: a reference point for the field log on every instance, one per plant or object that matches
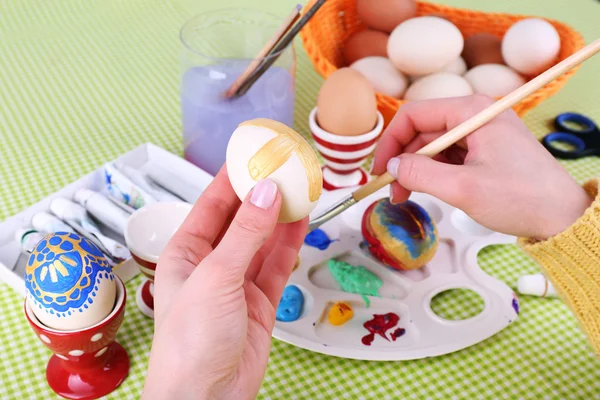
(263, 148)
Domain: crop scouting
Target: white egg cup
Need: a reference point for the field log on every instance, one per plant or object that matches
(148, 231)
(344, 155)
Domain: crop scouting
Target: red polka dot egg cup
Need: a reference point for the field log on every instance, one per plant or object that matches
(87, 363)
(344, 155)
(148, 231)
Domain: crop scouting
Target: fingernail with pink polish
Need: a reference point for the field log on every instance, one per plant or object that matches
(392, 167)
(264, 194)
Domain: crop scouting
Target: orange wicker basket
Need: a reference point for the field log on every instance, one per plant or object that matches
(325, 34)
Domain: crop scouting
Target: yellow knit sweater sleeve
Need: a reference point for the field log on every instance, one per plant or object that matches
(571, 261)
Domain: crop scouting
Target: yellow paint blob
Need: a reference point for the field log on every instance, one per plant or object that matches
(340, 313)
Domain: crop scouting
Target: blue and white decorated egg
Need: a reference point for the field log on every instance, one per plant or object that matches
(69, 283)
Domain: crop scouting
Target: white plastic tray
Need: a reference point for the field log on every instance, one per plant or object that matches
(408, 293)
(139, 158)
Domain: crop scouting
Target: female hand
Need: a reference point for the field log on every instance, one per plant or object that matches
(218, 283)
(500, 175)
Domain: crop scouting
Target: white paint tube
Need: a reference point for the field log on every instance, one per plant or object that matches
(536, 285)
(103, 209)
(186, 190)
(141, 180)
(48, 223)
(75, 213)
(121, 188)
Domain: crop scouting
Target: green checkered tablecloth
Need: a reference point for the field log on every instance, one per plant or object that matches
(82, 82)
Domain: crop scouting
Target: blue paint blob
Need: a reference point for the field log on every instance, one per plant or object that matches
(319, 239)
(69, 312)
(67, 246)
(84, 281)
(40, 257)
(75, 294)
(31, 260)
(90, 301)
(51, 311)
(290, 305)
(55, 240)
(41, 245)
(38, 293)
(85, 305)
(74, 236)
(80, 310)
(50, 256)
(94, 294)
(96, 287)
(61, 299)
(88, 270)
(46, 250)
(48, 298)
(515, 304)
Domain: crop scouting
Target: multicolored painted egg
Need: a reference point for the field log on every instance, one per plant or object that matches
(69, 283)
(403, 236)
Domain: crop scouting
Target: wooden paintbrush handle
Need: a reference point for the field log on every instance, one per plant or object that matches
(483, 117)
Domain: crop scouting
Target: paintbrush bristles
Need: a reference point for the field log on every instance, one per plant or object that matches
(483, 117)
(281, 30)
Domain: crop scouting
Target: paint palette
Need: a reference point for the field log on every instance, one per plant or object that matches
(419, 332)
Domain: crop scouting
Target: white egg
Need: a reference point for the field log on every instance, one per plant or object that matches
(69, 283)
(264, 148)
(383, 75)
(531, 46)
(458, 66)
(440, 85)
(494, 80)
(424, 45)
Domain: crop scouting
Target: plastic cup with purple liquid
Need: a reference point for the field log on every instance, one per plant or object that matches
(217, 48)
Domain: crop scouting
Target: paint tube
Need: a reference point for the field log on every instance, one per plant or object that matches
(75, 213)
(536, 285)
(103, 209)
(171, 182)
(28, 238)
(121, 188)
(48, 223)
(141, 180)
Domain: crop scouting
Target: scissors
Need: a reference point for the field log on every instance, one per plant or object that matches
(585, 140)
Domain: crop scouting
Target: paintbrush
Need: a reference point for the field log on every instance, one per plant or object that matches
(282, 30)
(464, 129)
(276, 51)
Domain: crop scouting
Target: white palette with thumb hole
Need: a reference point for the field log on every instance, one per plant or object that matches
(405, 293)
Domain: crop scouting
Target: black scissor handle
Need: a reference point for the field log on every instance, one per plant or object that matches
(587, 125)
(568, 138)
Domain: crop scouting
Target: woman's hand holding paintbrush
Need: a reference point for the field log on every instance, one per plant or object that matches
(458, 131)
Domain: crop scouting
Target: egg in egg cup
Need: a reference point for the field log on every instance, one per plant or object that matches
(344, 155)
(75, 305)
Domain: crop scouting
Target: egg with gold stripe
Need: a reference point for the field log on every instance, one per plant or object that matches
(69, 283)
(403, 236)
(263, 148)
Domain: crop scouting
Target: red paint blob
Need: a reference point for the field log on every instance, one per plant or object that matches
(379, 325)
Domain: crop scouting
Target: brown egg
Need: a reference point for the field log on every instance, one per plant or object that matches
(385, 15)
(365, 43)
(346, 104)
(482, 48)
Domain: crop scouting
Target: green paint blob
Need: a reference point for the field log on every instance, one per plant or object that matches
(353, 279)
